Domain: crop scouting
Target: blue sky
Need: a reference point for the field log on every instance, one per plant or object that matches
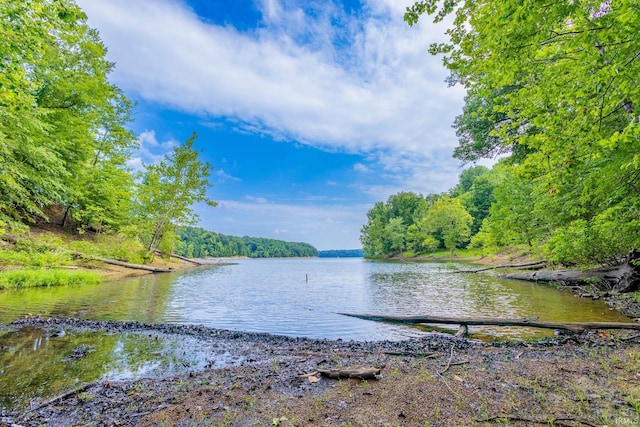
(309, 111)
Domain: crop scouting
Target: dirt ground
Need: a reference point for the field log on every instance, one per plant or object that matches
(439, 380)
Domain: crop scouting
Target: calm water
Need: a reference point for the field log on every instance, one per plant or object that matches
(299, 297)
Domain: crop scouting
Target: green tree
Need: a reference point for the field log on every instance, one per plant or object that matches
(169, 190)
(448, 217)
(55, 105)
(558, 81)
(475, 191)
(372, 233)
(407, 206)
(394, 236)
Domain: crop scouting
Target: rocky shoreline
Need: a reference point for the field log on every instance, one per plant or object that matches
(438, 380)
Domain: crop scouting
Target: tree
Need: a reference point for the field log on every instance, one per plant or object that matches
(168, 191)
(559, 81)
(475, 191)
(407, 206)
(372, 233)
(394, 236)
(55, 103)
(449, 217)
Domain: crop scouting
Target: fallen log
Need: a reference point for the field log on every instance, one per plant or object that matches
(124, 264)
(180, 257)
(619, 278)
(532, 264)
(360, 373)
(134, 266)
(493, 321)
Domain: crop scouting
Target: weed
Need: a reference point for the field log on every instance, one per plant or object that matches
(85, 397)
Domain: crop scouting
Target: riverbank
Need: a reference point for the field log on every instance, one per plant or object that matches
(439, 380)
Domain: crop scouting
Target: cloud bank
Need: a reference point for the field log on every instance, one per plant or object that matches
(359, 82)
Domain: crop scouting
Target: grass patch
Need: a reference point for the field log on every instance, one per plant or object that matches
(16, 279)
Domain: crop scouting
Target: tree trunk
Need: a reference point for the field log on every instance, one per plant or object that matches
(134, 266)
(180, 257)
(492, 321)
(620, 278)
(124, 264)
(527, 265)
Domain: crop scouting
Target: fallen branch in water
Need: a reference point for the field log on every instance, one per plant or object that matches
(180, 257)
(491, 321)
(494, 267)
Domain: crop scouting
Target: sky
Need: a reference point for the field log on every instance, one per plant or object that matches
(309, 111)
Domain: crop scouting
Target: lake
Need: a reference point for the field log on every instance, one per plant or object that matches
(302, 296)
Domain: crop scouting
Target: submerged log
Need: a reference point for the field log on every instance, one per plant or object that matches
(620, 278)
(493, 321)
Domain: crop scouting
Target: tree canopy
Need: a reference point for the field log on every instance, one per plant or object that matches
(200, 243)
(62, 124)
(64, 136)
(554, 85)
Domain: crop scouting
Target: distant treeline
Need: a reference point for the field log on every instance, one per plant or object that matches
(343, 253)
(199, 243)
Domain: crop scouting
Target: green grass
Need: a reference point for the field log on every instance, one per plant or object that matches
(15, 279)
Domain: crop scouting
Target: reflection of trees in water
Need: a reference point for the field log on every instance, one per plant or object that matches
(35, 364)
(434, 291)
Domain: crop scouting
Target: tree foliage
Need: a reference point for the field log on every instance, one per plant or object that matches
(413, 224)
(64, 141)
(450, 219)
(168, 191)
(555, 85)
(62, 124)
(200, 243)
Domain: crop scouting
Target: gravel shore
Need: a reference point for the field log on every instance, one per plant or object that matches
(439, 380)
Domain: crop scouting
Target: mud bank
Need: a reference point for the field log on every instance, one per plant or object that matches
(438, 380)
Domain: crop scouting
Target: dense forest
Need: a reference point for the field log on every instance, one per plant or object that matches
(64, 140)
(341, 253)
(200, 243)
(556, 102)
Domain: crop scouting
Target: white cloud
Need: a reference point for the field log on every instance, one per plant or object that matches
(256, 199)
(380, 92)
(150, 150)
(359, 167)
(223, 176)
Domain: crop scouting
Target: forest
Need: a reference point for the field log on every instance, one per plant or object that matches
(65, 143)
(555, 107)
(200, 243)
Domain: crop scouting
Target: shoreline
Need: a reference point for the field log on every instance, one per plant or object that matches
(435, 380)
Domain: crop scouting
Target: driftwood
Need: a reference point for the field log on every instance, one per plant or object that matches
(135, 266)
(361, 373)
(180, 257)
(491, 321)
(63, 396)
(124, 264)
(620, 278)
(534, 264)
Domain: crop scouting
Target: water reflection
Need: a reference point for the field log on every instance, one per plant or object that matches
(33, 363)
